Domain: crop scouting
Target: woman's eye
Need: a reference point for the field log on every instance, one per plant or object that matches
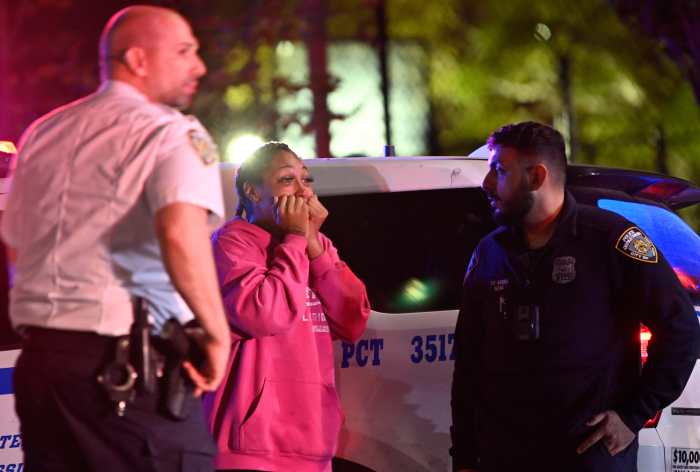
(309, 179)
(286, 180)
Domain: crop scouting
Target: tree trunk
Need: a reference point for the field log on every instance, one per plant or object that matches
(383, 47)
(566, 97)
(316, 43)
(661, 150)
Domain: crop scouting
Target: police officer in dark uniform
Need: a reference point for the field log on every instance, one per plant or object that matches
(547, 374)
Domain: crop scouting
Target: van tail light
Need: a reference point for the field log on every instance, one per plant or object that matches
(653, 421)
(644, 337)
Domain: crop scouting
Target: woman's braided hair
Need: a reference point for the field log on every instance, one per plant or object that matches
(251, 171)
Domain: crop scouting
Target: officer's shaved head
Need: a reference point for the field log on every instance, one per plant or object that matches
(153, 49)
(135, 26)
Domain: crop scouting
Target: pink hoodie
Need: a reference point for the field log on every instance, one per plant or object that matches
(278, 409)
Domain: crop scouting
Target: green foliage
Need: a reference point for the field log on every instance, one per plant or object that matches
(499, 62)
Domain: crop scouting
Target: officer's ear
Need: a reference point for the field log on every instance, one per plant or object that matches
(135, 61)
(537, 174)
(251, 192)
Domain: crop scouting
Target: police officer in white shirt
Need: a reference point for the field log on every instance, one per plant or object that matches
(111, 202)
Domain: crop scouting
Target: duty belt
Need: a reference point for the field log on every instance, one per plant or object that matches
(152, 365)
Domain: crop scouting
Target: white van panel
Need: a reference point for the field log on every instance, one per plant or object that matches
(10, 441)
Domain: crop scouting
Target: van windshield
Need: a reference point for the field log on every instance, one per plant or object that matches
(676, 240)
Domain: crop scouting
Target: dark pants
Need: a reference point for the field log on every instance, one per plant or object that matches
(68, 424)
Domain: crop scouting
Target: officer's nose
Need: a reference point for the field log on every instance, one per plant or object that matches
(199, 67)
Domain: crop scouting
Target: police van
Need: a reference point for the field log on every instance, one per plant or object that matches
(407, 227)
(10, 440)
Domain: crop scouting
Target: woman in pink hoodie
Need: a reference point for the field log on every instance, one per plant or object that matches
(287, 295)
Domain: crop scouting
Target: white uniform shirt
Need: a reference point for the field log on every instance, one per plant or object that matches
(89, 180)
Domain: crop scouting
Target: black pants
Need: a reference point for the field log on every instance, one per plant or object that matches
(68, 424)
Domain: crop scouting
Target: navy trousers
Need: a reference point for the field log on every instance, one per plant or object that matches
(68, 423)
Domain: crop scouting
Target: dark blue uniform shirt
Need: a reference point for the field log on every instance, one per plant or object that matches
(548, 338)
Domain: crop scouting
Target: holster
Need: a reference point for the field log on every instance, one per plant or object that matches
(177, 343)
(148, 361)
(133, 367)
(152, 365)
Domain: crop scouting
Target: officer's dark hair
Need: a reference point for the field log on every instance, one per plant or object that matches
(251, 171)
(534, 139)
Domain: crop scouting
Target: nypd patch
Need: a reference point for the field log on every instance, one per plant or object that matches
(204, 146)
(635, 244)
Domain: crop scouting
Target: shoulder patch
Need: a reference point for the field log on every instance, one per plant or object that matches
(635, 244)
(204, 146)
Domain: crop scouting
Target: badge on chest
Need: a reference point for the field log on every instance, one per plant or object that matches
(563, 269)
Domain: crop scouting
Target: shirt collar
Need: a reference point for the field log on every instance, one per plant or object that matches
(566, 222)
(122, 88)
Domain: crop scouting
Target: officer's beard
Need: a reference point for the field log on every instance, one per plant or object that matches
(514, 210)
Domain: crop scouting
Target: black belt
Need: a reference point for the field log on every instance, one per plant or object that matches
(130, 363)
(79, 342)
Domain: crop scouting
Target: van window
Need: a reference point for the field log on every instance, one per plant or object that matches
(411, 249)
(676, 240)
